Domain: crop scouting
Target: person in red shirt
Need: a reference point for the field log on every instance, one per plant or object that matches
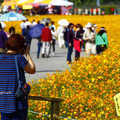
(46, 37)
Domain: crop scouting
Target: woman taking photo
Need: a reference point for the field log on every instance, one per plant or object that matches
(101, 40)
(10, 107)
(89, 36)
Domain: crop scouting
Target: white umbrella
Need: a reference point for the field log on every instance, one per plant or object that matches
(63, 22)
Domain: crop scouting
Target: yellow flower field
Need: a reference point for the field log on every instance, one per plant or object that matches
(89, 86)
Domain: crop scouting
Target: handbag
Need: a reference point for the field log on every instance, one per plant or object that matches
(104, 46)
(23, 88)
(77, 44)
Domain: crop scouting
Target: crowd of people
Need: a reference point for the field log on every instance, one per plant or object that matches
(86, 38)
(71, 36)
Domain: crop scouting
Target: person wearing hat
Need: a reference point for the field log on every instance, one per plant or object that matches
(101, 40)
(70, 39)
(89, 36)
(94, 27)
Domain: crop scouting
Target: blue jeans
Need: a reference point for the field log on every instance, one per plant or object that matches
(23, 30)
(18, 115)
(70, 50)
(39, 45)
(66, 43)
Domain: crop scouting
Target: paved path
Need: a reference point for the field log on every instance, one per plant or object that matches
(48, 65)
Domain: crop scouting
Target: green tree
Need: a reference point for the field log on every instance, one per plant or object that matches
(76, 2)
(1, 1)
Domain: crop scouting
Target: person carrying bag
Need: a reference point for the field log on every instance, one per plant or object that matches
(13, 108)
(101, 40)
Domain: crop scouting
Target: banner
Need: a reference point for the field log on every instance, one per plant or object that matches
(98, 2)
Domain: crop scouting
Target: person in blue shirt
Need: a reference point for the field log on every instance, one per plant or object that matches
(10, 107)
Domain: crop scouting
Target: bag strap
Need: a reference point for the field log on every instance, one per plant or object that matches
(103, 38)
(17, 71)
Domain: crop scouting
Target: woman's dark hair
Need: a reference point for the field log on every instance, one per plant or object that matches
(102, 30)
(52, 22)
(79, 26)
(11, 29)
(52, 28)
(38, 22)
(70, 24)
(46, 24)
(28, 27)
(15, 42)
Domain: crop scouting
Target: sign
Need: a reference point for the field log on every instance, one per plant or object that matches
(98, 2)
(27, 7)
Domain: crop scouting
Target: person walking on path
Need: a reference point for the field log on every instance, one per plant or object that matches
(60, 34)
(101, 40)
(53, 39)
(39, 46)
(27, 36)
(46, 38)
(78, 40)
(27, 23)
(3, 39)
(52, 25)
(10, 107)
(89, 36)
(33, 23)
(65, 36)
(11, 31)
(70, 38)
(22, 25)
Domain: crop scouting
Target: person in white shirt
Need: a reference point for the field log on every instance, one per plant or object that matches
(3, 25)
(85, 28)
(89, 36)
(33, 23)
(27, 23)
(22, 25)
(52, 25)
(60, 34)
(53, 39)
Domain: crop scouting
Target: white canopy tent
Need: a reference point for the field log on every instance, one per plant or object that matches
(61, 3)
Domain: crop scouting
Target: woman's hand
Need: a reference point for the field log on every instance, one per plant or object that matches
(27, 50)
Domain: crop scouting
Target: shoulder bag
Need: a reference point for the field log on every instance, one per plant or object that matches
(23, 88)
(105, 46)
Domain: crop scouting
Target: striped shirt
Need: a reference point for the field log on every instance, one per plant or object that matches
(9, 83)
